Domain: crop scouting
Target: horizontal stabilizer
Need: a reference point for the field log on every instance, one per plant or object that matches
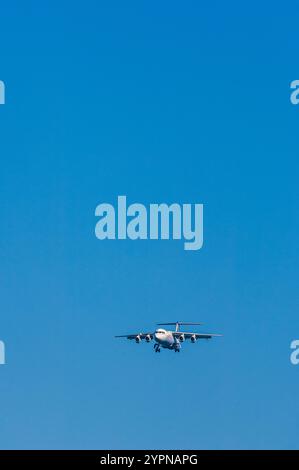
(179, 323)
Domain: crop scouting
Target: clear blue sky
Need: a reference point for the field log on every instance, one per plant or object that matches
(164, 101)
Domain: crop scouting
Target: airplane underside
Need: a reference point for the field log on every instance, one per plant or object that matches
(174, 347)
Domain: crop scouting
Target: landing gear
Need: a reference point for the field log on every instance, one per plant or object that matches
(157, 348)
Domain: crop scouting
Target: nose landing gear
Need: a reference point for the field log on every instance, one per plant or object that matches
(157, 348)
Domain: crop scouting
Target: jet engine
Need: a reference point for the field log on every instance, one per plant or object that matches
(138, 339)
(148, 338)
(182, 338)
(193, 339)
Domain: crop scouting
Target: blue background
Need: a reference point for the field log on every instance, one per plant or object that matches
(163, 101)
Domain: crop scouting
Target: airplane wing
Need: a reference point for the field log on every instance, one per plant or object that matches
(177, 334)
(137, 336)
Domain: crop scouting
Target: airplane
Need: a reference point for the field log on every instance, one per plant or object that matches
(168, 339)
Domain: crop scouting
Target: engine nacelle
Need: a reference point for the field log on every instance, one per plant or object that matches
(182, 338)
(193, 339)
(148, 338)
(138, 339)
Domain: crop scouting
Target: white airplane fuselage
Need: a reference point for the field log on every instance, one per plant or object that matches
(166, 340)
